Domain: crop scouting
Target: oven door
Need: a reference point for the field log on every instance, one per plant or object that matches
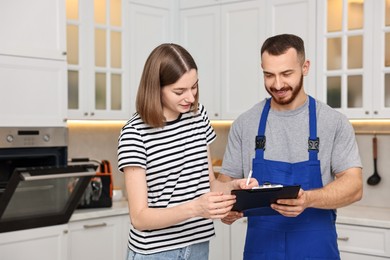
(43, 196)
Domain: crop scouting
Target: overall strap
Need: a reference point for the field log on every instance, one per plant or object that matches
(260, 138)
(314, 141)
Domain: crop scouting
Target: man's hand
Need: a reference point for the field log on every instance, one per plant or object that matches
(231, 217)
(291, 207)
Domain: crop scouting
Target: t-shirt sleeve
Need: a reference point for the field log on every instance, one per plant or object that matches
(209, 130)
(232, 164)
(131, 149)
(345, 152)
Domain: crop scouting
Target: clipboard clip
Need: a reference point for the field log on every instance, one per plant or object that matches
(268, 185)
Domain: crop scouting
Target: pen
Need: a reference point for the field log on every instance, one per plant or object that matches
(249, 177)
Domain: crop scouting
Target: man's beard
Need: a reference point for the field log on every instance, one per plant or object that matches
(294, 93)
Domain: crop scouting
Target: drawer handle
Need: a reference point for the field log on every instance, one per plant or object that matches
(95, 225)
(343, 238)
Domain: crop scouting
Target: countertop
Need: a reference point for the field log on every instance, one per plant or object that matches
(351, 215)
(118, 208)
(364, 216)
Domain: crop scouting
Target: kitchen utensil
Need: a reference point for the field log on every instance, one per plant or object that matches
(375, 178)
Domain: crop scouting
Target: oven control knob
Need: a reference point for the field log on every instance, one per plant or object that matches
(10, 138)
(46, 138)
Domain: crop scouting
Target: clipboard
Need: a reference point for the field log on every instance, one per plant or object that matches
(263, 197)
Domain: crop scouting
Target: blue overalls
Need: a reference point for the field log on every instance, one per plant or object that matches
(312, 234)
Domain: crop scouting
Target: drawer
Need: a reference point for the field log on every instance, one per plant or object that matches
(364, 240)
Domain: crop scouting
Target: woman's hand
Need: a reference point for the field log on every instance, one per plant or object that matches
(214, 205)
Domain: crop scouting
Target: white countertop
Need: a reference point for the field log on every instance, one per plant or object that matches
(118, 208)
(364, 216)
(352, 215)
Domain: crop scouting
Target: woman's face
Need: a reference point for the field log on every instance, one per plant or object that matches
(178, 97)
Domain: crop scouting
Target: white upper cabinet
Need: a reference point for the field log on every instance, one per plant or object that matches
(33, 28)
(354, 56)
(200, 35)
(98, 85)
(296, 17)
(225, 38)
(32, 63)
(33, 92)
(225, 42)
(151, 23)
(108, 42)
(198, 3)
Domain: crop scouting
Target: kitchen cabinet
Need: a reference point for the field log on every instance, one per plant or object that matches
(354, 57)
(34, 29)
(225, 38)
(151, 23)
(45, 243)
(220, 244)
(33, 92)
(360, 242)
(98, 73)
(237, 238)
(90, 234)
(32, 63)
(108, 44)
(296, 17)
(100, 238)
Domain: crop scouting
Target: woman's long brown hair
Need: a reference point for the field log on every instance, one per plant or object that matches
(166, 64)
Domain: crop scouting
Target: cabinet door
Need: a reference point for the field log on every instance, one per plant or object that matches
(352, 256)
(363, 240)
(97, 70)
(33, 28)
(33, 92)
(354, 57)
(46, 243)
(99, 238)
(125, 234)
(200, 35)
(242, 32)
(199, 3)
(220, 244)
(296, 17)
(148, 27)
(237, 238)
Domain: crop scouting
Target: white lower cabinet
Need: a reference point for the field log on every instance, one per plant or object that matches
(47, 243)
(220, 244)
(359, 242)
(97, 238)
(100, 238)
(237, 239)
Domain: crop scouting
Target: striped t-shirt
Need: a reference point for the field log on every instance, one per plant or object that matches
(175, 159)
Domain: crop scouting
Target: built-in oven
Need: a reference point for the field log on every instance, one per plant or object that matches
(37, 186)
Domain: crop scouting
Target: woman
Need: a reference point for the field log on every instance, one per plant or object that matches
(163, 151)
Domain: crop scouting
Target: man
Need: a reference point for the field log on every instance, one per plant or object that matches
(293, 139)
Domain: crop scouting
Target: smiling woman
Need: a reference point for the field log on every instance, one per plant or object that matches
(164, 153)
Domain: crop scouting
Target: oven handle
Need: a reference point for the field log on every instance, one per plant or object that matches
(27, 177)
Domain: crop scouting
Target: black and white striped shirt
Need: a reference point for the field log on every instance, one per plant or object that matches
(175, 159)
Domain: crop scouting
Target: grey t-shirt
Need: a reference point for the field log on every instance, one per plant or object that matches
(287, 134)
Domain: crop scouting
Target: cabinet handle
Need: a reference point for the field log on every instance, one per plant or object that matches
(343, 238)
(95, 225)
(375, 112)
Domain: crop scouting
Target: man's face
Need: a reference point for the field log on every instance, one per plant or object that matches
(283, 76)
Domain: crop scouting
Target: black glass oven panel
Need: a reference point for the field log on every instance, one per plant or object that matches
(47, 196)
(11, 158)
